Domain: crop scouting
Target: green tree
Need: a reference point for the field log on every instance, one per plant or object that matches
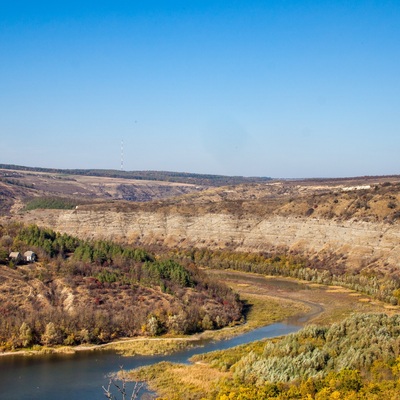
(50, 335)
(25, 335)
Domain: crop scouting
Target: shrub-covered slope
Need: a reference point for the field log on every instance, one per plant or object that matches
(82, 291)
(357, 358)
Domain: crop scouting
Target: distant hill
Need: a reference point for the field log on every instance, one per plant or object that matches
(28, 188)
(164, 176)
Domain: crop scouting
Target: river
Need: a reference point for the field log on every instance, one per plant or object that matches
(80, 376)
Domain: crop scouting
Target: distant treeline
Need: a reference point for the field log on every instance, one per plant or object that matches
(382, 287)
(166, 176)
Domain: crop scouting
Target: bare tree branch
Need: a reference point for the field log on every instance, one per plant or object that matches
(121, 388)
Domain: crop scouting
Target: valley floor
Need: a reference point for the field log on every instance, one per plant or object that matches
(267, 299)
(271, 297)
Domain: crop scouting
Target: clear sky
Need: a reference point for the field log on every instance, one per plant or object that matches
(284, 88)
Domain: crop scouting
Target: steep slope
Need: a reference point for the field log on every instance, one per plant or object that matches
(84, 291)
(354, 226)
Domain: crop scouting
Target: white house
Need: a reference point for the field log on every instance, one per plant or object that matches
(30, 256)
(15, 256)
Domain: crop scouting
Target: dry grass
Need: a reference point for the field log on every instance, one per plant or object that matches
(176, 382)
(337, 302)
(152, 346)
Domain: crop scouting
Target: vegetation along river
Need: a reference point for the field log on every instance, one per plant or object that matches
(80, 376)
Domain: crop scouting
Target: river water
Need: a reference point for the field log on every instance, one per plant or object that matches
(80, 376)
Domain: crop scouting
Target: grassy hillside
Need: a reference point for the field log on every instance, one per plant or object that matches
(93, 292)
(374, 202)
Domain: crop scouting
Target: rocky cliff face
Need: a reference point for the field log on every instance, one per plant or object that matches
(357, 227)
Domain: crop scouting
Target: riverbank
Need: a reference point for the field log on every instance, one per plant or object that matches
(143, 342)
(261, 309)
(82, 375)
(256, 317)
(267, 300)
(326, 305)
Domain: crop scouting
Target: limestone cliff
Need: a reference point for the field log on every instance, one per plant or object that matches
(360, 228)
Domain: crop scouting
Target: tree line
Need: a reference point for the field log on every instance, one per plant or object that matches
(179, 177)
(381, 287)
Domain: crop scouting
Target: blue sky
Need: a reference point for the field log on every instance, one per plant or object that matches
(256, 88)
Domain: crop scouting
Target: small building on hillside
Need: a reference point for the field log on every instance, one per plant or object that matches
(30, 256)
(16, 256)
